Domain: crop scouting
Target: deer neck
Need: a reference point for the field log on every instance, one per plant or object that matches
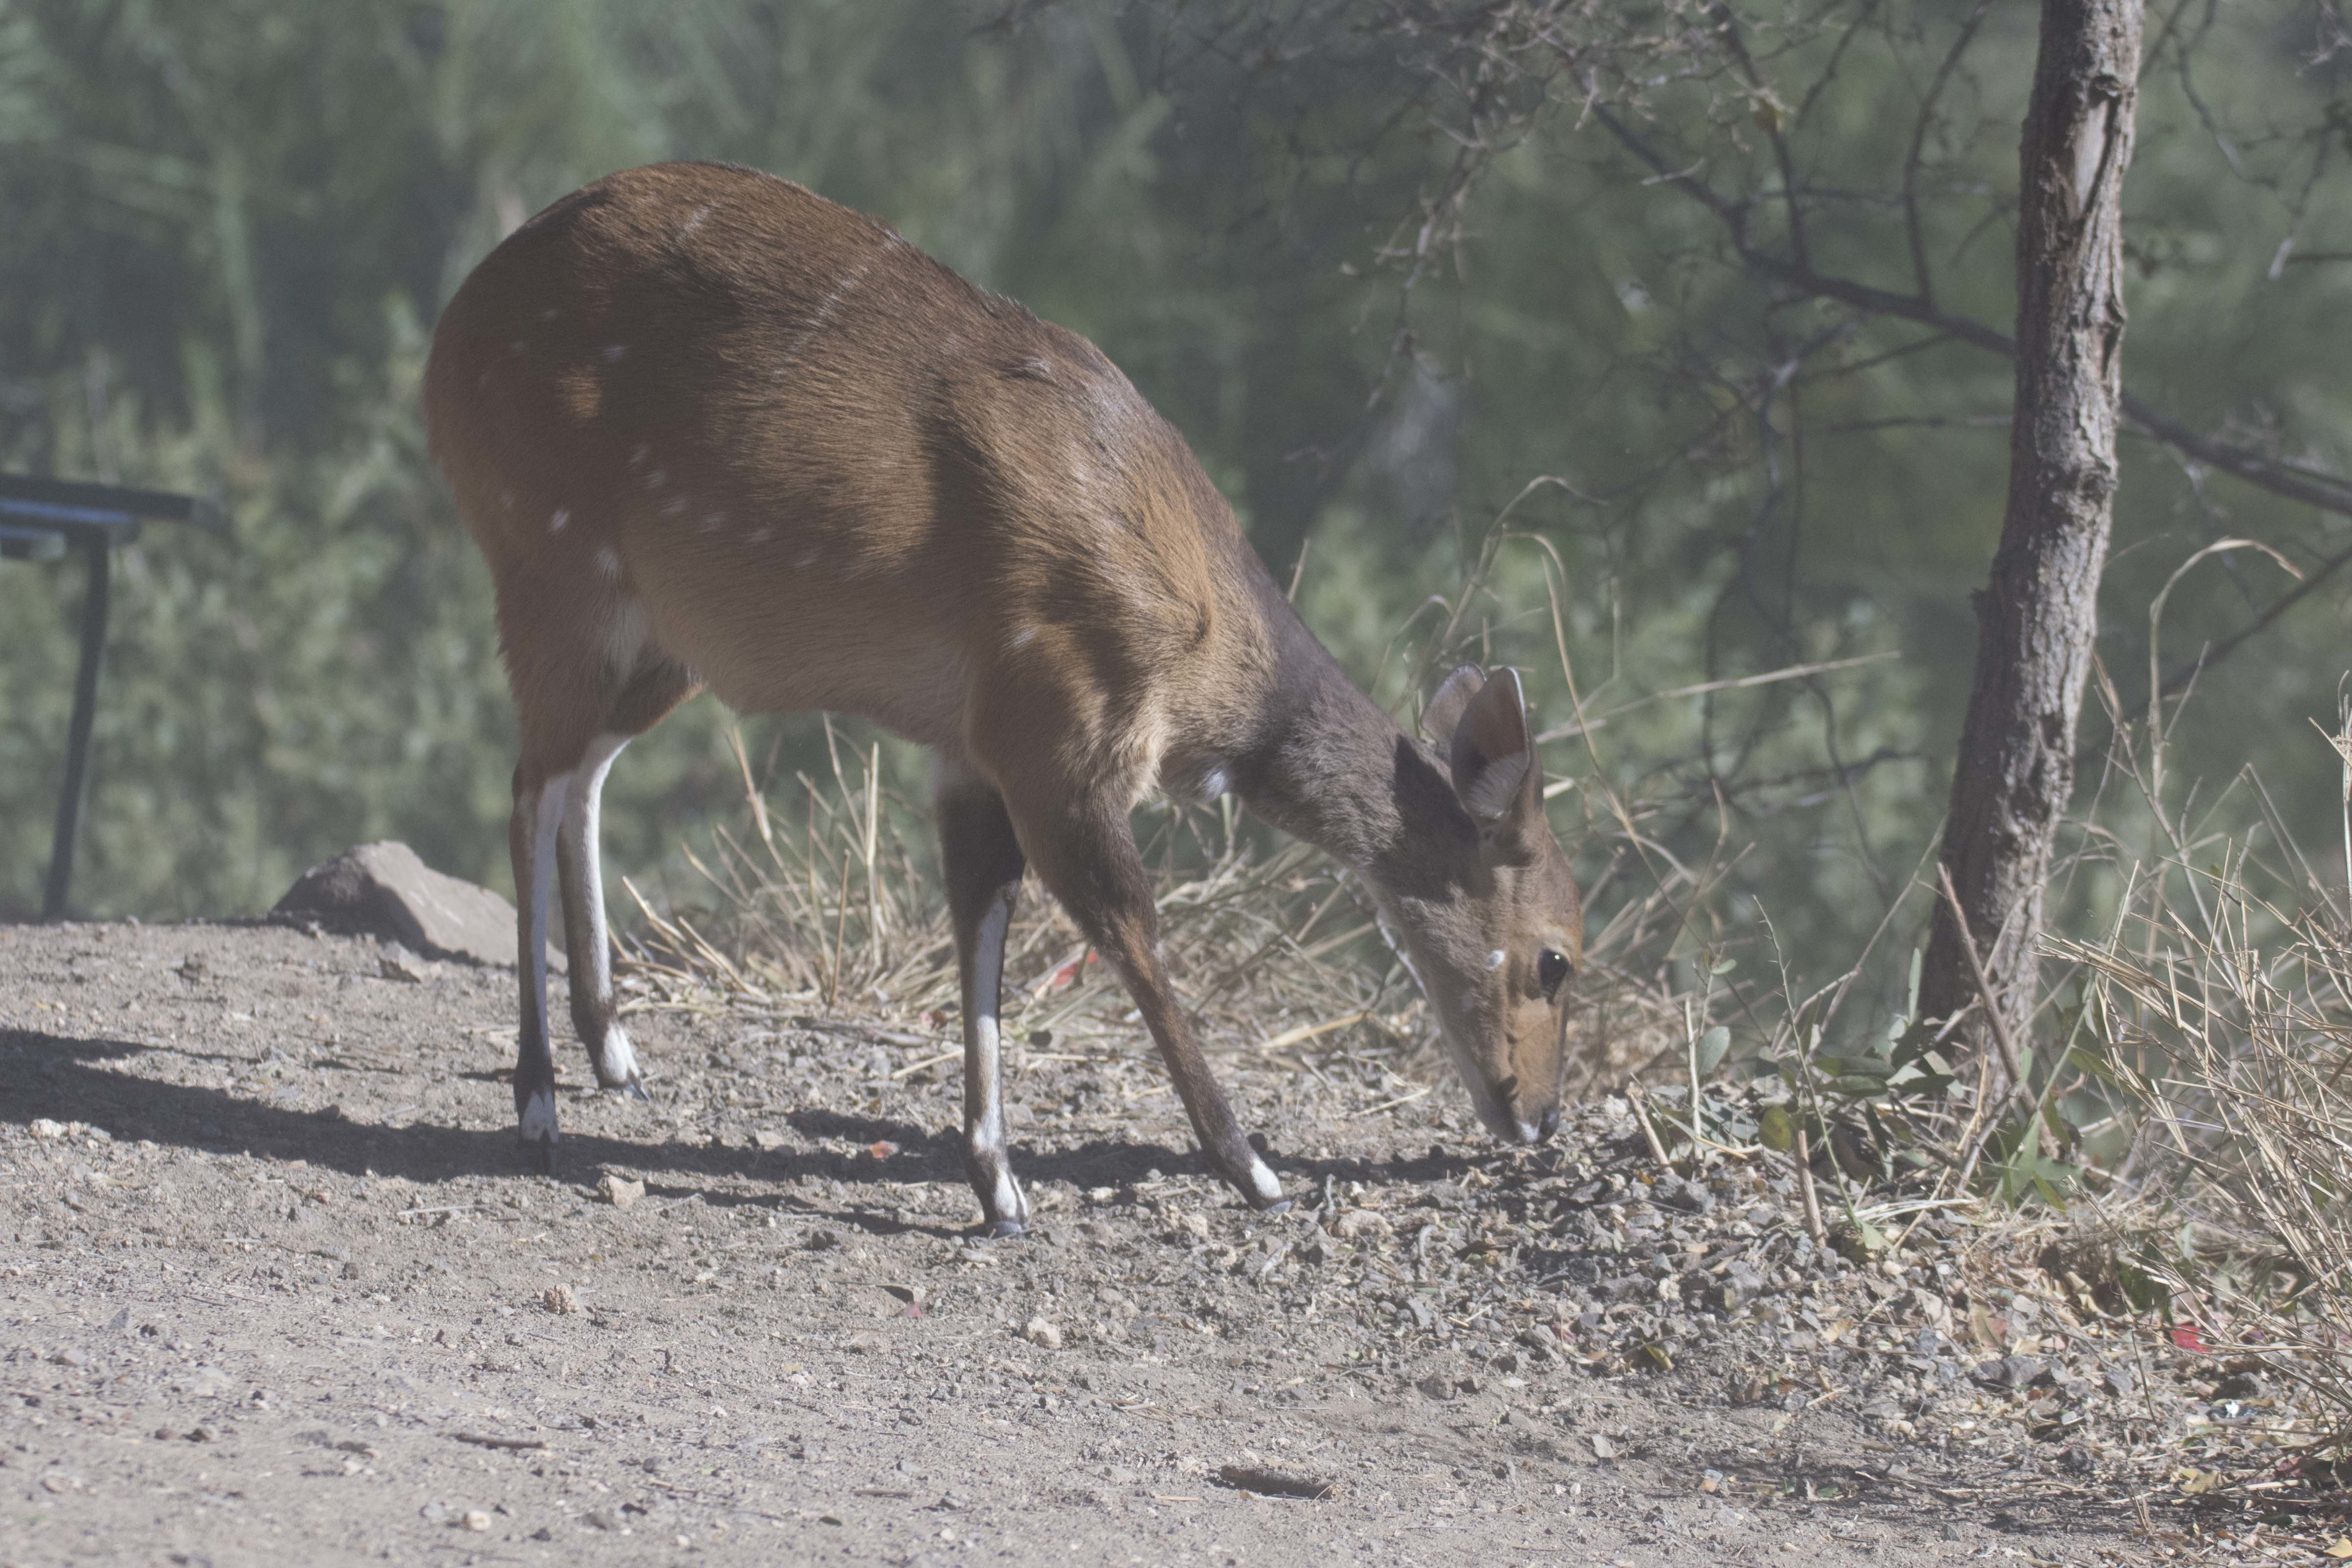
(1334, 770)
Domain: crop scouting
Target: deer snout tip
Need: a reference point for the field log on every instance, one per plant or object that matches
(1541, 1130)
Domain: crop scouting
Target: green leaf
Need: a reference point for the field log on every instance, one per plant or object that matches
(1776, 1129)
(1713, 1047)
(1725, 966)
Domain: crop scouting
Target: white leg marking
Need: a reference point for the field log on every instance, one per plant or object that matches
(1269, 1191)
(591, 950)
(984, 1080)
(539, 1119)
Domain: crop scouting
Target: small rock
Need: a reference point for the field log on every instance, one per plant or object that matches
(1603, 1446)
(476, 1519)
(384, 890)
(767, 1141)
(1678, 1192)
(43, 1128)
(619, 1191)
(2011, 1371)
(1357, 1224)
(1437, 1385)
(1267, 1482)
(1741, 1285)
(1190, 1224)
(559, 1300)
(393, 962)
(1040, 1333)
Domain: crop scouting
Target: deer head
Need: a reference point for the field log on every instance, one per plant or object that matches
(1485, 911)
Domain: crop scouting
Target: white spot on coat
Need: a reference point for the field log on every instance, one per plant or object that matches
(637, 457)
(614, 352)
(608, 563)
(517, 346)
(807, 559)
(1495, 959)
(694, 222)
(656, 479)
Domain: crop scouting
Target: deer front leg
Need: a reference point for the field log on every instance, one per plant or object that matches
(981, 858)
(1085, 854)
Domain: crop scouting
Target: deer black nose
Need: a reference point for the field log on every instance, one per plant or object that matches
(1547, 1124)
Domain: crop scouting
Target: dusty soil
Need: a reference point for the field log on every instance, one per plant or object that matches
(276, 1286)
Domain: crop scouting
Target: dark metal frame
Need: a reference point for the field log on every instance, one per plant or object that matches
(39, 520)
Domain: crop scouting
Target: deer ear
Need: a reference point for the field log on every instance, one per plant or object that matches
(1448, 701)
(1492, 754)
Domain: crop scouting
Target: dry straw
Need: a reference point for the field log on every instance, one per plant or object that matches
(823, 902)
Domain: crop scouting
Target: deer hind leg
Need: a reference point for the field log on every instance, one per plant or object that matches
(538, 797)
(982, 858)
(658, 685)
(1079, 840)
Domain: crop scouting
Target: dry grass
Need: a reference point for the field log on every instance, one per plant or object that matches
(824, 902)
(2219, 1008)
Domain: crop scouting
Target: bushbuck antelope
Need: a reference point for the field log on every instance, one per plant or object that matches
(710, 429)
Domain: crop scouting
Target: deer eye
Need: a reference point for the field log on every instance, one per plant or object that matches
(1551, 973)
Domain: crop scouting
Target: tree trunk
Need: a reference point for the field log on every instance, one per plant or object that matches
(2037, 617)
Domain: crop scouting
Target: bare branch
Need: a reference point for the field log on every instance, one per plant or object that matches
(2325, 492)
(1918, 144)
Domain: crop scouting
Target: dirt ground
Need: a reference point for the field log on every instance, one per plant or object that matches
(276, 1286)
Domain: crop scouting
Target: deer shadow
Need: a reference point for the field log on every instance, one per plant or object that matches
(69, 1079)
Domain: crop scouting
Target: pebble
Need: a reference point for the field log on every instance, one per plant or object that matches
(619, 1191)
(476, 1519)
(1040, 1333)
(559, 1300)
